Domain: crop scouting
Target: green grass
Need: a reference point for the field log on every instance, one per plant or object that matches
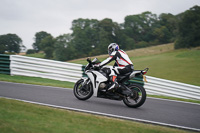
(36, 80)
(20, 117)
(174, 98)
(37, 55)
(180, 65)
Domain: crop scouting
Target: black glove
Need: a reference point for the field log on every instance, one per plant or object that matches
(97, 67)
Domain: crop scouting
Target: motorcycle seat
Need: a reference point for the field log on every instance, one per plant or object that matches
(121, 77)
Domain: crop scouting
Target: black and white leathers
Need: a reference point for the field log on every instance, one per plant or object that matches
(121, 61)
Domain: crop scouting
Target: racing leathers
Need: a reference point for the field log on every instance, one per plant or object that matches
(122, 66)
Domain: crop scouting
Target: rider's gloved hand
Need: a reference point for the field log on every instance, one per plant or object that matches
(96, 67)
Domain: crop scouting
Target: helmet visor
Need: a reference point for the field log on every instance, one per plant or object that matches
(110, 50)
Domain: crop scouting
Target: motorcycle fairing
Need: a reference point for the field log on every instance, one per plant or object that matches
(96, 78)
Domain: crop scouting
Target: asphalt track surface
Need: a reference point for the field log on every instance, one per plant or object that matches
(163, 112)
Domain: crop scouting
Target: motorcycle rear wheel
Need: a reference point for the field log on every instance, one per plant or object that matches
(137, 97)
(82, 92)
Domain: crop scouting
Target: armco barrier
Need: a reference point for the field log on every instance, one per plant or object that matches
(157, 86)
(4, 64)
(36, 67)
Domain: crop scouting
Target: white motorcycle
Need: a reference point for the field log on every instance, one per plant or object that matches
(96, 83)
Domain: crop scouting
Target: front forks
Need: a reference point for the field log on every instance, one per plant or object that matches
(85, 81)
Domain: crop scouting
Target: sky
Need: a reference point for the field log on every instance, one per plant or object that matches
(27, 17)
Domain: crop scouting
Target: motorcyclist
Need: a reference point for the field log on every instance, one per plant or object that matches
(122, 64)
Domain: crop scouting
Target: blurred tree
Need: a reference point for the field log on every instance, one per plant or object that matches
(189, 29)
(141, 44)
(139, 27)
(85, 36)
(30, 51)
(162, 34)
(108, 32)
(47, 45)
(2, 46)
(61, 45)
(171, 23)
(11, 43)
(39, 36)
(102, 46)
(94, 36)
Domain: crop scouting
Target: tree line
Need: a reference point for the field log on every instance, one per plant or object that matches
(10, 43)
(91, 37)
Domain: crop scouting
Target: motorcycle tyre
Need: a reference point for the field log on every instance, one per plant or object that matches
(77, 95)
(141, 102)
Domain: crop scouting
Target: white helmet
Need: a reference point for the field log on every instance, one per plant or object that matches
(112, 47)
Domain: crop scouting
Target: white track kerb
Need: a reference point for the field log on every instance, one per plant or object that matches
(57, 70)
(108, 115)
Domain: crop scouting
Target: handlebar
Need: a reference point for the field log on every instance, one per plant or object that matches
(89, 60)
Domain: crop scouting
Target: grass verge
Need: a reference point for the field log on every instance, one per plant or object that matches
(36, 81)
(20, 117)
(174, 98)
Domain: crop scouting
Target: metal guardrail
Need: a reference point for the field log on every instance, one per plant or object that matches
(4, 64)
(157, 86)
(36, 67)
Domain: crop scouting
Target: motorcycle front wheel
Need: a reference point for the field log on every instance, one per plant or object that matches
(137, 96)
(83, 91)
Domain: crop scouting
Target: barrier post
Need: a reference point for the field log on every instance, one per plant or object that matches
(4, 64)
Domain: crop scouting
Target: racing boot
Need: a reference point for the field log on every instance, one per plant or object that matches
(114, 84)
